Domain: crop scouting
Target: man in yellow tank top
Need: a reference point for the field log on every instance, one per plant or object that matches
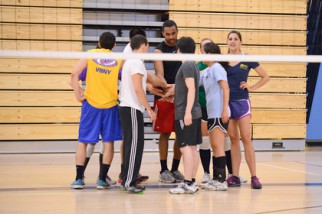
(99, 115)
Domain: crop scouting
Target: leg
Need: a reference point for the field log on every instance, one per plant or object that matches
(234, 181)
(196, 161)
(175, 163)
(89, 152)
(235, 146)
(188, 162)
(244, 127)
(163, 150)
(80, 157)
(204, 148)
(165, 175)
(105, 166)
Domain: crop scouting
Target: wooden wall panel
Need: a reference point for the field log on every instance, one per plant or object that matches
(285, 131)
(239, 21)
(244, 6)
(37, 65)
(44, 3)
(41, 31)
(250, 37)
(35, 81)
(265, 50)
(41, 15)
(281, 85)
(40, 114)
(277, 101)
(38, 98)
(282, 69)
(278, 116)
(38, 131)
(32, 45)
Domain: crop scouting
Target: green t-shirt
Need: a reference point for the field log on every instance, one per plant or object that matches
(202, 93)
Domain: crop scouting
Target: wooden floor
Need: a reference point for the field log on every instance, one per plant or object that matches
(39, 183)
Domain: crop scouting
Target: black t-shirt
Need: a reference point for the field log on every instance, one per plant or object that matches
(170, 67)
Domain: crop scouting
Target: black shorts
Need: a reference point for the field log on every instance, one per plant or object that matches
(217, 122)
(188, 135)
(204, 114)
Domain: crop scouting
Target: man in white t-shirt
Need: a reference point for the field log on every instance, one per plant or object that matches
(133, 103)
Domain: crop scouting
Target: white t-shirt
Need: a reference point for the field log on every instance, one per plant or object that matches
(214, 93)
(127, 48)
(127, 93)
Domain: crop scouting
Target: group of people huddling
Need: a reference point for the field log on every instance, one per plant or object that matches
(206, 104)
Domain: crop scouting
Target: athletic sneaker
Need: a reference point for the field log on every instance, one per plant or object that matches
(215, 185)
(110, 181)
(178, 176)
(166, 177)
(102, 185)
(206, 177)
(255, 183)
(195, 186)
(183, 188)
(135, 189)
(139, 179)
(78, 184)
(242, 179)
(233, 181)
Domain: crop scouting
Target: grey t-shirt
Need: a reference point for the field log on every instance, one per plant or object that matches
(214, 93)
(187, 70)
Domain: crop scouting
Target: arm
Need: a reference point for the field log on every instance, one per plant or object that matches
(74, 82)
(155, 80)
(137, 82)
(158, 67)
(264, 79)
(154, 90)
(224, 85)
(190, 83)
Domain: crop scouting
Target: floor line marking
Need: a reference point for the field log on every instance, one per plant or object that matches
(292, 170)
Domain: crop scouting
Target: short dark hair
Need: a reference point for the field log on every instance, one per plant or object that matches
(186, 45)
(211, 48)
(137, 31)
(107, 40)
(137, 41)
(169, 23)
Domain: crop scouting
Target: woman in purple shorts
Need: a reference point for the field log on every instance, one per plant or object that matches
(239, 103)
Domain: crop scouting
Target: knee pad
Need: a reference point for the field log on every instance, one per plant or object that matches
(205, 145)
(227, 144)
(90, 150)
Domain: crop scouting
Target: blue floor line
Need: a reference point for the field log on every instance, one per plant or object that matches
(151, 186)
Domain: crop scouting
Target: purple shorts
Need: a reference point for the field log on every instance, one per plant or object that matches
(239, 109)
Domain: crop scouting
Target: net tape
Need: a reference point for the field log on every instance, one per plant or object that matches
(163, 56)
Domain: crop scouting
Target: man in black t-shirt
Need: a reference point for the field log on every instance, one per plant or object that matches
(166, 71)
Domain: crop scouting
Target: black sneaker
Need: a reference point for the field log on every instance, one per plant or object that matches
(135, 189)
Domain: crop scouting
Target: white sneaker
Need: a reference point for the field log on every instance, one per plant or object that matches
(216, 186)
(206, 177)
(183, 188)
(242, 179)
(195, 186)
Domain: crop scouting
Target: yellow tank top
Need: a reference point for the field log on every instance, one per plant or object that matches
(102, 81)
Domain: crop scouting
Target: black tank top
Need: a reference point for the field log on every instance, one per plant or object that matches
(170, 67)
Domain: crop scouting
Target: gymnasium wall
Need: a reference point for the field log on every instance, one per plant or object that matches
(36, 100)
(271, 27)
(38, 104)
